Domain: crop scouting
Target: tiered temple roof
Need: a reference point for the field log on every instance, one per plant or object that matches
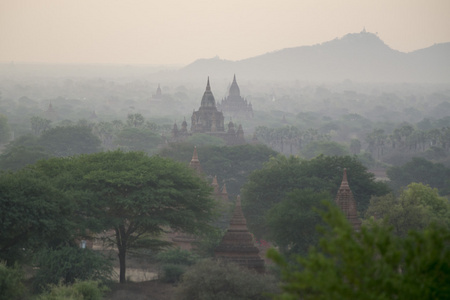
(234, 105)
(344, 199)
(237, 244)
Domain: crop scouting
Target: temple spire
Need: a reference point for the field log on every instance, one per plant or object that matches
(195, 162)
(346, 202)
(208, 87)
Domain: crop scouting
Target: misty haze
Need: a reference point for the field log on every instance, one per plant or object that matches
(192, 155)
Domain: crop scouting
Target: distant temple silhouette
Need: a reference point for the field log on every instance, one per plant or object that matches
(234, 105)
(208, 120)
(158, 95)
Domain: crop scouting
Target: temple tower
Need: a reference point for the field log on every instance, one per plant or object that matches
(237, 244)
(207, 119)
(195, 163)
(344, 199)
(234, 105)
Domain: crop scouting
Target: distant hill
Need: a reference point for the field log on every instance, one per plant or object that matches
(356, 56)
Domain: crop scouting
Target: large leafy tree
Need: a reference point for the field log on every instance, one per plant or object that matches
(370, 264)
(420, 170)
(33, 214)
(69, 140)
(269, 185)
(135, 195)
(292, 222)
(414, 209)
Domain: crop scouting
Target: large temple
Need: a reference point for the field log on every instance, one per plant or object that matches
(234, 105)
(346, 202)
(208, 120)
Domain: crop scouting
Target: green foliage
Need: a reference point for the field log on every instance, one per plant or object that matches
(210, 279)
(292, 222)
(200, 139)
(68, 264)
(138, 139)
(329, 148)
(420, 170)
(80, 290)
(35, 214)
(39, 125)
(135, 120)
(371, 264)
(232, 165)
(69, 140)
(269, 185)
(5, 131)
(414, 209)
(207, 243)
(177, 256)
(15, 158)
(134, 194)
(11, 286)
(171, 273)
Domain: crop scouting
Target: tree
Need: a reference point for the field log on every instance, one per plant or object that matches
(135, 120)
(329, 148)
(34, 214)
(231, 164)
(39, 125)
(292, 222)
(137, 139)
(135, 195)
(355, 146)
(370, 264)
(226, 281)
(420, 170)
(15, 158)
(5, 131)
(414, 209)
(69, 140)
(269, 185)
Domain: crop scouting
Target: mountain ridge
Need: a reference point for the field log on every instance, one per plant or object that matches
(356, 56)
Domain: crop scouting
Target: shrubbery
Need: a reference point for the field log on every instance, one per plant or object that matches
(68, 264)
(210, 279)
(11, 286)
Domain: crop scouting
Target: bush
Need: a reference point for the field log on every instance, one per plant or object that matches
(171, 273)
(11, 286)
(82, 290)
(68, 264)
(177, 256)
(210, 279)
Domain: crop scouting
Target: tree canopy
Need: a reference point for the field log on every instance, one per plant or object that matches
(370, 264)
(415, 208)
(135, 195)
(269, 185)
(420, 170)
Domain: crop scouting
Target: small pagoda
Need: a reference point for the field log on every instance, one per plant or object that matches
(344, 199)
(195, 163)
(237, 244)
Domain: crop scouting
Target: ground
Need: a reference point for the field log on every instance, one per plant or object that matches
(153, 289)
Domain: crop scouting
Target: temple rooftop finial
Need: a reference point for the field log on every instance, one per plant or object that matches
(208, 87)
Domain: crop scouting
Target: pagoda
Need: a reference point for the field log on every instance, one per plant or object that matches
(346, 202)
(234, 105)
(237, 244)
(195, 163)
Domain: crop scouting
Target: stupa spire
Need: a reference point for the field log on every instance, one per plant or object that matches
(344, 199)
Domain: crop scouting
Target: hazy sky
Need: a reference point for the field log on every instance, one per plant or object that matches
(181, 31)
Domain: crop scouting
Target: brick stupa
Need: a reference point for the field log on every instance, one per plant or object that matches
(195, 163)
(344, 199)
(237, 244)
